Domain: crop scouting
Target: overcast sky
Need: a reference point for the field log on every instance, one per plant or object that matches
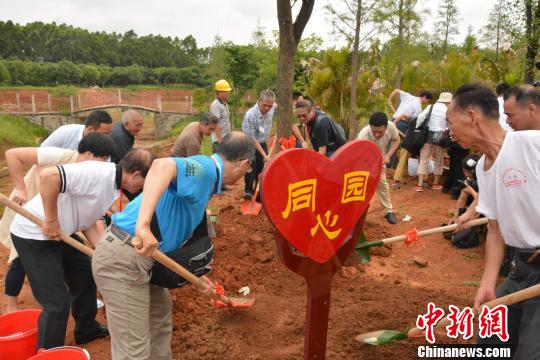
(234, 20)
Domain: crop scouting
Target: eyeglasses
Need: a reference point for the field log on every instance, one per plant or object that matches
(248, 161)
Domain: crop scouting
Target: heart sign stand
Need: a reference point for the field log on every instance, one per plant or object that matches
(317, 206)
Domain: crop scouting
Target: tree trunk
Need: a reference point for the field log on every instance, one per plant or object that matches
(289, 36)
(532, 34)
(400, 45)
(498, 35)
(353, 122)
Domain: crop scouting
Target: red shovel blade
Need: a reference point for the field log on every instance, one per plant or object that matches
(251, 207)
(227, 301)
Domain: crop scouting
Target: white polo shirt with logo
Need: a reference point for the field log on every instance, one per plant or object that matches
(88, 190)
(510, 189)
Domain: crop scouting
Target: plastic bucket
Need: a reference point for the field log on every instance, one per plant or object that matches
(18, 334)
(62, 353)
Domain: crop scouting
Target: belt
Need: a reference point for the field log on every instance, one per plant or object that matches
(120, 234)
(529, 256)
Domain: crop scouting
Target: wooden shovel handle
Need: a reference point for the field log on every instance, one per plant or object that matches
(4, 200)
(437, 230)
(510, 299)
(177, 268)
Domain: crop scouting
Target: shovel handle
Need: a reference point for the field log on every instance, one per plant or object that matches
(437, 230)
(510, 299)
(177, 268)
(4, 200)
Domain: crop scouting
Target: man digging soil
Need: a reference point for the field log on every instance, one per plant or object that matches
(170, 208)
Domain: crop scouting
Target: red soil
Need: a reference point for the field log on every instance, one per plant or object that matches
(388, 293)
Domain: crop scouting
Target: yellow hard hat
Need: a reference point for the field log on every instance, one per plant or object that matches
(222, 85)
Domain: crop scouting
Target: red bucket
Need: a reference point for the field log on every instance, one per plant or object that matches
(18, 334)
(62, 353)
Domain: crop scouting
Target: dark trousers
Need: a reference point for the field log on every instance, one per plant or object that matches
(455, 170)
(252, 178)
(15, 278)
(523, 317)
(59, 276)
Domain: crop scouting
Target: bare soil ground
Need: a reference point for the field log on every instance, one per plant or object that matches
(388, 293)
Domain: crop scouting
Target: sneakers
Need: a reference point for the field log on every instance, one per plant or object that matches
(436, 187)
(391, 218)
(418, 188)
(395, 185)
(102, 332)
(248, 195)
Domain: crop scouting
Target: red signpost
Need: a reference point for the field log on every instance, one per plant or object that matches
(318, 206)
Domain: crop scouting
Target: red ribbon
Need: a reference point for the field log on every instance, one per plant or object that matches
(412, 237)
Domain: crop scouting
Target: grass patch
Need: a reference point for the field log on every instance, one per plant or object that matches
(18, 131)
(472, 283)
(179, 126)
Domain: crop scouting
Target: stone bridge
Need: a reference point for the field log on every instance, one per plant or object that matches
(163, 122)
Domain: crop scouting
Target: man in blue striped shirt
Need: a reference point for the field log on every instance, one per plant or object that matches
(258, 124)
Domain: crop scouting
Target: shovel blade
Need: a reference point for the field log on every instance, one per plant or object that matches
(363, 252)
(251, 207)
(381, 337)
(235, 302)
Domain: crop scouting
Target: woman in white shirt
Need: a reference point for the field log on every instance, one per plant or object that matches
(437, 131)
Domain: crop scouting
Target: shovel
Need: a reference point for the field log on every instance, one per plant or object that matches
(222, 300)
(252, 207)
(382, 337)
(363, 246)
(4, 200)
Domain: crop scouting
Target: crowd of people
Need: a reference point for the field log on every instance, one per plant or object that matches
(79, 171)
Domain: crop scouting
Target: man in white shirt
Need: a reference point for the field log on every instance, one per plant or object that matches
(95, 146)
(509, 181)
(500, 90)
(258, 124)
(69, 136)
(385, 135)
(409, 108)
(522, 106)
(72, 198)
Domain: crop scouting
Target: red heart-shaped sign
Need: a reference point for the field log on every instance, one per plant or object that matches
(315, 201)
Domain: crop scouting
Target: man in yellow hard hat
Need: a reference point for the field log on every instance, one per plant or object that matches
(220, 108)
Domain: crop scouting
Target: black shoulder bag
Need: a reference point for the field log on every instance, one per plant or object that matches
(416, 138)
(195, 255)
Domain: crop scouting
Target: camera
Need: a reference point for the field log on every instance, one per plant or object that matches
(471, 183)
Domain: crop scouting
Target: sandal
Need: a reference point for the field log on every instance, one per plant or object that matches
(418, 189)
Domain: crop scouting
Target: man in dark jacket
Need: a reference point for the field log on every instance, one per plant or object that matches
(124, 132)
(320, 128)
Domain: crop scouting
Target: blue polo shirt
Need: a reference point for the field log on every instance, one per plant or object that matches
(183, 204)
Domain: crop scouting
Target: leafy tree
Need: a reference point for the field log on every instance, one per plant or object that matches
(498, 28)
(447, 22)
(470, 42)
(91, 74)
(349, 24)
(125, 75)
(241, 66)
(17, 71)
(399, 19)
(5, 77)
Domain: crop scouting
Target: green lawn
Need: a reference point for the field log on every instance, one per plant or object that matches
(17, 130)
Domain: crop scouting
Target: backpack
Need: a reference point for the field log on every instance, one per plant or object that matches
(339, 132)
